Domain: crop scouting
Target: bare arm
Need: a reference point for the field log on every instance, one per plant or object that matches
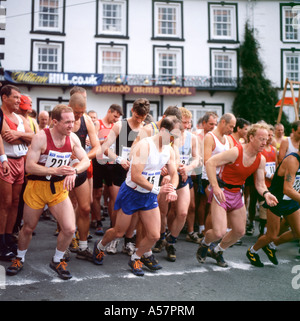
(94, 141)
(260, 185)
(215, 161)
(290, 167)
(17, 137)
(282, 150)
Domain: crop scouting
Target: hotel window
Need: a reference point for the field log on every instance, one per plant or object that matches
(168, 63)
(167, 19)
(290, 23)
(112, 18)
(223, 67)
(48, 16)
(111, 60)
(291, 65)
(223, 22)
(47, 57)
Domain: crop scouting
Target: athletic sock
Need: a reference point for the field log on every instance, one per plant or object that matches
(171, 239)
(252, 250)
(148, 254)
(100, 246)
(59, 255)
(134, 256)
(218, 248)
(21, 255)
(83, 245)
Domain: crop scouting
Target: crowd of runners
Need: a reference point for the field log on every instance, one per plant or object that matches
(151, 179)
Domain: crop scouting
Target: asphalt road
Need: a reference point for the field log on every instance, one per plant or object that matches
(185, 280)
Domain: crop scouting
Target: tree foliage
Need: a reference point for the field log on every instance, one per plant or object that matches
(256, 97)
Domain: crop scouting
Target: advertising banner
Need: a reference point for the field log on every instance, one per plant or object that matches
(53, 78)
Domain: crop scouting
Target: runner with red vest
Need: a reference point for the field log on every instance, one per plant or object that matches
(49, 181)
(227, 198)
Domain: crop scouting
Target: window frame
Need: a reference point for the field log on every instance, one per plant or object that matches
(283, 6)
(284, 52)
(235, 64)
(179, 36)
(112, 34)
(223, 39)
(36, 43)
(60, 31)
(203, 107)
(180, 60)
(124, 58)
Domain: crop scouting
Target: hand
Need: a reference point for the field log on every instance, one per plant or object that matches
(164, 171)
(171, 197)
(64, 170)
(10, 135)
(125, 164)
(271, 199)
(166, 179)
(5, 168)
(69, 182)
(166, 188)
(219, 195)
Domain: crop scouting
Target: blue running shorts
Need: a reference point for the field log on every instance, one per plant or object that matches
(131, 201)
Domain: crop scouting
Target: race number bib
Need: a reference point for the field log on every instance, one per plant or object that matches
(270, 168)
(185, 159)
(20, 150)
(152, 177)
(57, 159)
(125, 152)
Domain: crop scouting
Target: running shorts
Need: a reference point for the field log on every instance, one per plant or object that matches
(37, 194)
(283, 208)
(100, 173)
(234, 201)
(80, 179)
(182, 184)
(131, 201)
(17, 171)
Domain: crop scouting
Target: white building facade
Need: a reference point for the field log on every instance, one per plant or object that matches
(182, 53)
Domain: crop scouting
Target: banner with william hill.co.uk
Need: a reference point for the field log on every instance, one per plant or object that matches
(52, 78)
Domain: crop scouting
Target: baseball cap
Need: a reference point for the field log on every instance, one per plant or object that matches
(25, 103)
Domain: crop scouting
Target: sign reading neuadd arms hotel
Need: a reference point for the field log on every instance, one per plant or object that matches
(145, 90)
(53, 78)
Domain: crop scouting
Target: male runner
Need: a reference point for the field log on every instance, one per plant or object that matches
(239, 162)
(285, 186)
(50, 178)
(138, 194)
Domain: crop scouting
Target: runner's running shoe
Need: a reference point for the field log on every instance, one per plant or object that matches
(151, 263)
(270, 254)
(201, 253)
(159, 246)
(193, 237)
(171, 252)
(85, 255)
(218, 257)
(15, 267)
(128, 248)
(60, 269)
(97, 255)
(254, 259)
(136, 267)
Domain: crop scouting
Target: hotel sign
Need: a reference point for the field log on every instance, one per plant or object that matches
(145, 90)
(53, 78)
